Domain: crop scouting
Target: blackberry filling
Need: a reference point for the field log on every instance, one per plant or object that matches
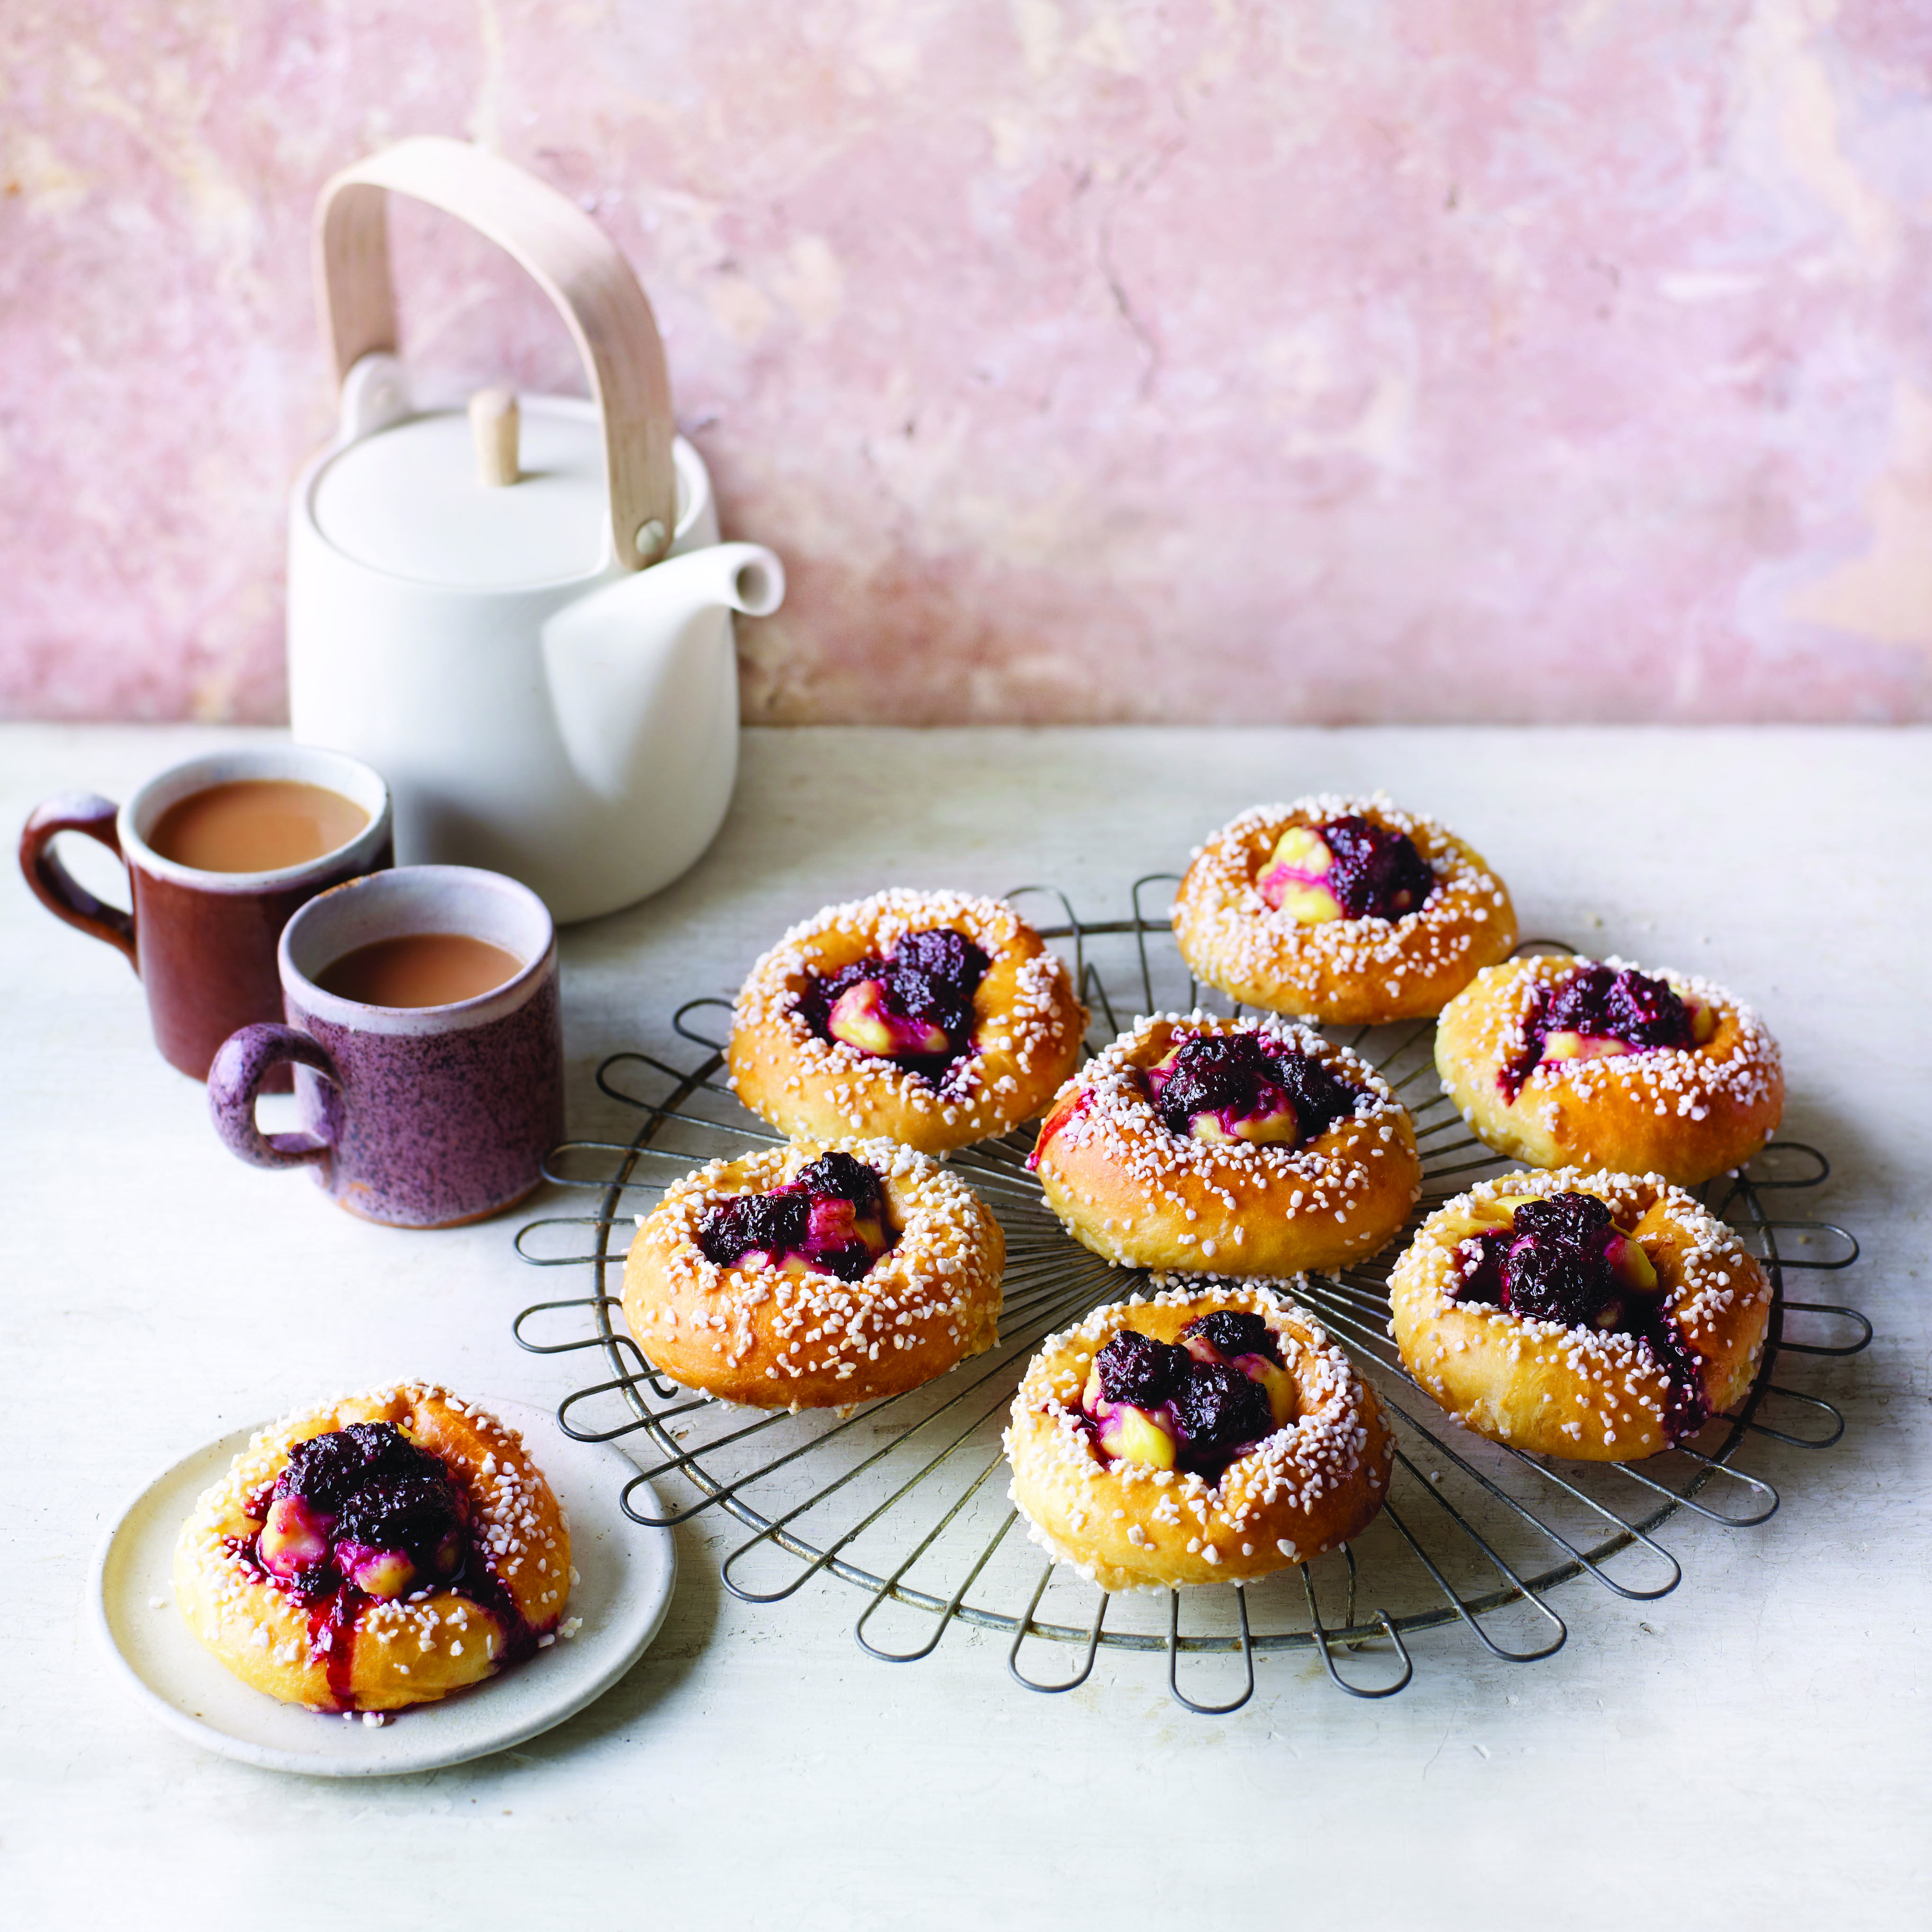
(775, 1224)
(1557, 1268)
(1564, 1260)
(1195, 1406)
(326, 1469)
(414, 1512)
(364, 1509)
(1375, 873)
(831, 1217)
(913, 1007)
(1480, 1258)
(1595, 1009)
(1239, 1086)
(1230, 1332)
(1137, 1368)
(1219, 1410)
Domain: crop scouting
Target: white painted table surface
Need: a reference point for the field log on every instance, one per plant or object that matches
(1759, 1743)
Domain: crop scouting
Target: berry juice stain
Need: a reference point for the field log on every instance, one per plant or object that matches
(1062, 1116)
(332, 1636)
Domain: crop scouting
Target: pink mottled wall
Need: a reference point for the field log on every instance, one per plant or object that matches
(1219, 359)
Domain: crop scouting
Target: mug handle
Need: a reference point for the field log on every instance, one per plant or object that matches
(56, 887)
(244, 1061)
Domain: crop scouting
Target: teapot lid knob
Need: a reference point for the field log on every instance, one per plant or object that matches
(493, 422)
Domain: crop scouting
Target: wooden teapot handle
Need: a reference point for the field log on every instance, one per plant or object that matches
(574, 263)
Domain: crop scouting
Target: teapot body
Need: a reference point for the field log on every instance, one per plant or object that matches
(449, 692)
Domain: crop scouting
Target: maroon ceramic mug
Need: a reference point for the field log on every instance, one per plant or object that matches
(203, 943)
(418, 1116)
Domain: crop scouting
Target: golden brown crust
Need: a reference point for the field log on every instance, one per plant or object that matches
(1028, 1027)
(1133, 1192)
(1309, 1488)
(1348, 972)
(415, 1649)
(756, 1335)
(1686, 1115)
(1571, 1392)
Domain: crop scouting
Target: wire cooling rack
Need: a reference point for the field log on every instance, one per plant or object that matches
(906, 1498)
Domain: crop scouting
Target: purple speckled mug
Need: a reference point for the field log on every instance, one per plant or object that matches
(418, 1117)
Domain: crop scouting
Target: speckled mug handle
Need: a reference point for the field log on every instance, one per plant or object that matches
(243, 1062)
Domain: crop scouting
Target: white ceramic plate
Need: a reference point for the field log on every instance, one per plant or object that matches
(626, 1573)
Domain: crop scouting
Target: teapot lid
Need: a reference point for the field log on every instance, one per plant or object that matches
(408, 501)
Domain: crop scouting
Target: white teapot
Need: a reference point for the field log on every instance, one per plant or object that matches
(520, 615)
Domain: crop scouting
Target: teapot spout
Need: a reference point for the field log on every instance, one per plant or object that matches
(642, 679)
(745, 577)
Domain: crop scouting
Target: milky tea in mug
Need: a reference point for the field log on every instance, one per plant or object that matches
(256, 825)
(420, 969)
